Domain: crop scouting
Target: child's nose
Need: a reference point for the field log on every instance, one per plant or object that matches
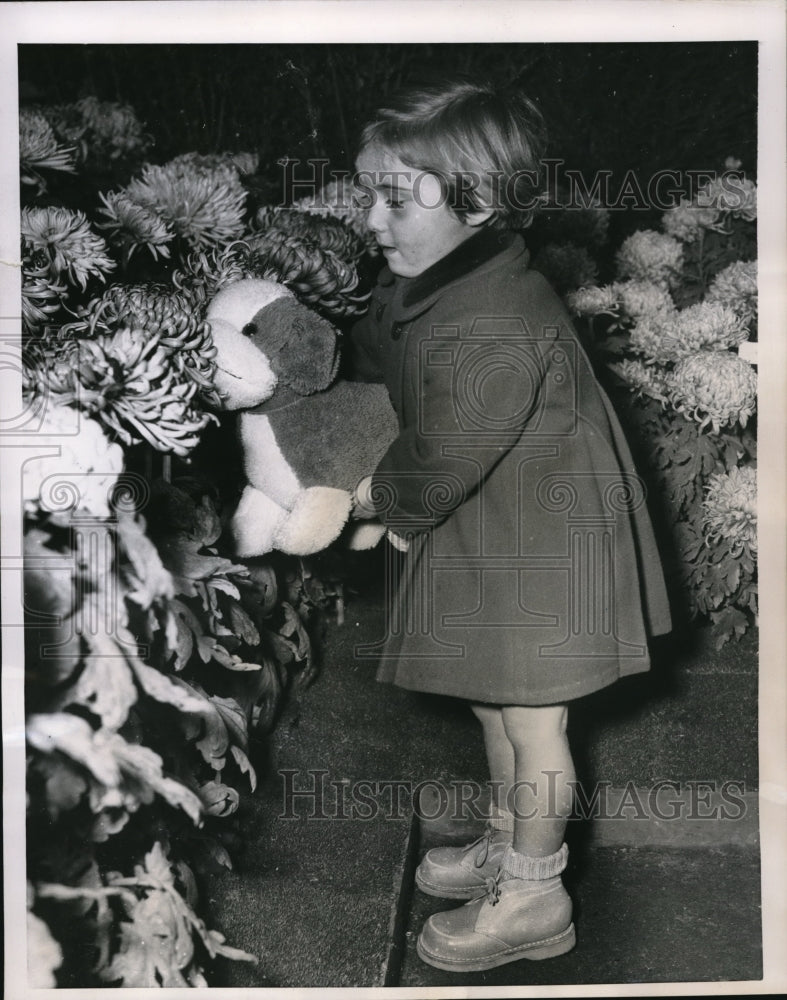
(375, 216)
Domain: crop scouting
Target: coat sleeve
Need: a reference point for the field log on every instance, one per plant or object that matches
(473, 403)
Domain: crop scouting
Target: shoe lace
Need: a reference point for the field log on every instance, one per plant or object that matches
(492, 887)
(485, 839)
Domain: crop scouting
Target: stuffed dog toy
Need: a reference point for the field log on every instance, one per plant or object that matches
(307, 439)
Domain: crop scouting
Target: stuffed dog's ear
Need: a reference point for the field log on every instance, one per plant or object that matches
(301, 346)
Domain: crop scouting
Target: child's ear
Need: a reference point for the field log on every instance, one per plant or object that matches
(479, 217)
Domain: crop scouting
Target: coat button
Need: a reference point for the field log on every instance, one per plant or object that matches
(379, 313)
(396, 330)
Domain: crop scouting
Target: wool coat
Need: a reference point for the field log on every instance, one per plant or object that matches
(532, 575)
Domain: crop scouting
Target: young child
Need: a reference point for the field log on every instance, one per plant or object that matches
(531, 575)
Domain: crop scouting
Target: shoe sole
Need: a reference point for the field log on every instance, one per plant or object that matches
(448, 892)
(550, 947)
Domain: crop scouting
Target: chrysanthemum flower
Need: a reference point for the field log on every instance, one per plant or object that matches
(593, 300)
(656, 337)
(170, 316)
(204, 206)
(39, 148)
(736, 195)
(318, 277)
(128, 382)
(113, 130)
(244, 163)
(686, 220)
(714, 388)
(135, 226)
(206, 272)
(71, 247)
(669, 336)
(736, 287)
(83, 475)
(639, 299)
(650, 256)
(42, 295)
(709, 326)
(327, 231)
(650, 380)
(340, 198)
(730, 508)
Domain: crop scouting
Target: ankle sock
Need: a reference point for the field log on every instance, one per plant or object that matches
(525, 867)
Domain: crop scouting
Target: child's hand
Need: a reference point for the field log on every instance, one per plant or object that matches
(363, 509)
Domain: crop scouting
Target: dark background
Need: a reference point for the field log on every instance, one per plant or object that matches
(640, 106)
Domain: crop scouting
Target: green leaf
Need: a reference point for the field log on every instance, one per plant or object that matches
(242, 625)
(242, 666)
(219, 799)
(64, 785)
(234, 719)
(105, 684)
(245, 765)
(179, 634)
(168, 690)
(146, 577)
(72, 736)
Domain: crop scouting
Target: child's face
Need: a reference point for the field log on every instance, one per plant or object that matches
(409, 216)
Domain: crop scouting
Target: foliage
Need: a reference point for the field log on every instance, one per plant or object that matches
(153, 658)
(669, 329)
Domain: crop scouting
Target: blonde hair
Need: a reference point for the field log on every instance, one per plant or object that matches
(485, 144)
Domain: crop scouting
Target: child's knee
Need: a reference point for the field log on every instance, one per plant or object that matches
(526, 725)
(487, 714)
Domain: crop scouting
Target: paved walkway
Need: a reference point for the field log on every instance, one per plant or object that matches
(329, 901)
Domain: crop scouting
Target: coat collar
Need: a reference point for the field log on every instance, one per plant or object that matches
(413, 295)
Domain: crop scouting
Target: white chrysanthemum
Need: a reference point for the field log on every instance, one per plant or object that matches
(656, 337)
(134, 225)
(593, 300)
(651, 380)
(733, 194)
(714, 387)
(39, 148)
(736, 287)
(114, 129)
(650, 256)
(44, 954)
(730, 508)
(70, 245)
(709, 326)
(669, 336)
(639, 299)
(203, 205)
(83, 475)
(686, 220)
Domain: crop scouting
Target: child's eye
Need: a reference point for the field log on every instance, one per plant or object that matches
(394, 202)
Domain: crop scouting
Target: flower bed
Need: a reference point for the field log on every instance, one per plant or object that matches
(153, 657)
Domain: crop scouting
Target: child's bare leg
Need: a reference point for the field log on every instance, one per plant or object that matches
(544, 772)
(462, 872)
(526, 911)
(499, 753)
